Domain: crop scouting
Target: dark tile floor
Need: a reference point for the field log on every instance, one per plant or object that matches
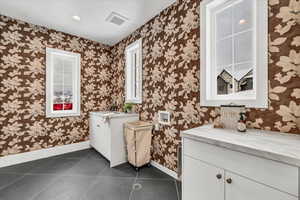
(84, 175)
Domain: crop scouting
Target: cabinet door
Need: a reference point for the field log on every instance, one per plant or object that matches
(105, 133)
(240, 188)
(202, 181)
(99, 135)
(93, 130)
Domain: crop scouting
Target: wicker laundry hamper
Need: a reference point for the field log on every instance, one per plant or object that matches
(138, 136)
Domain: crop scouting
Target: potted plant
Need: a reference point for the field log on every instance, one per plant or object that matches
(128, 107)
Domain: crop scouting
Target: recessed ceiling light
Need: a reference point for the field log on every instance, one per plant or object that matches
(242, 21)
(76, 18)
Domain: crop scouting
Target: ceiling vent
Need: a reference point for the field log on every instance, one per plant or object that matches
(116, 18)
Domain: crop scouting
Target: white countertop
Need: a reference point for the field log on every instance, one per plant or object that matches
(276, 146)
(114, 114)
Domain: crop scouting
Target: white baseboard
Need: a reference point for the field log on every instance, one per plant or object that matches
(42, 153)
(164, 169)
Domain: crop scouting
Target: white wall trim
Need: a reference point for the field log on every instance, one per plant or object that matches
(164, 169)
(42, 153)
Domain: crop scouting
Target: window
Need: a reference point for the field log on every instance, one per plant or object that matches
(234, 56)
(62, 83)
(134, 67)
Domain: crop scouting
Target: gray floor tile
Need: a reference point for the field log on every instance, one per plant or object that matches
(155, 189)
(110, 188)
(89, 167)
(24, 167)
(85, 173)
(124, 170)
(7, 179)
(152, 173)
(95, 154)
(18, 169)
(55, 166)
(75, 155)
(26, 188)
(66, 188)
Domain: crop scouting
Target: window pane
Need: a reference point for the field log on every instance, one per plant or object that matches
(68, 71)
(58, 94)
(58, 84)
(224, 80)
(243, 47)
(224, 23)
(243, 73)
(134, 69)
(224, 52)
(69, 64)
(68, 93)
(68, 97)
(58, 70)
(58, 99)
(137, 75)
(243, 15)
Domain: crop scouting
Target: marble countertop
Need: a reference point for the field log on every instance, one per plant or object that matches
(114, 114)
(271, 145)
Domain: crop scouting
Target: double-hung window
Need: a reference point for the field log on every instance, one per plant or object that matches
(234, 56)
(62, 83)
(133, 74)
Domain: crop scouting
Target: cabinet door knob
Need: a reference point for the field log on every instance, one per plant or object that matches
(219, 176)
(229, 180)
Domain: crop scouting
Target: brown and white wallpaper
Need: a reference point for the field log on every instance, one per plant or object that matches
(171, 44)
(23, 126)
(170, 79)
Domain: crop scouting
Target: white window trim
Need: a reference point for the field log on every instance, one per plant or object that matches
(49, 85)
(260, 73)
(140, 60)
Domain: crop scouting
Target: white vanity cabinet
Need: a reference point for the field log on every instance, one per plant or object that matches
(227, 165)
(107, 134)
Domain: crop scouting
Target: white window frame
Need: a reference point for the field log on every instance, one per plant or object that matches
(130, 83)
(258, 98)
(50, 113)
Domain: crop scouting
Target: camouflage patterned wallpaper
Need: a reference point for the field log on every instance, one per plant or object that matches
(171, 43)
(23, 126)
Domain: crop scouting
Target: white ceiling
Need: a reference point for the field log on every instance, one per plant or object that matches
(57, 14)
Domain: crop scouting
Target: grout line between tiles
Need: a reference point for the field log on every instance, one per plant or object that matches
(177, 190)
(88, 188)
(63, 158)
(156, 179)
(5, 186)
(94, 183)
(18, 179)
(117, 177)
(56, 177)
(134, 182)
(14, 173)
